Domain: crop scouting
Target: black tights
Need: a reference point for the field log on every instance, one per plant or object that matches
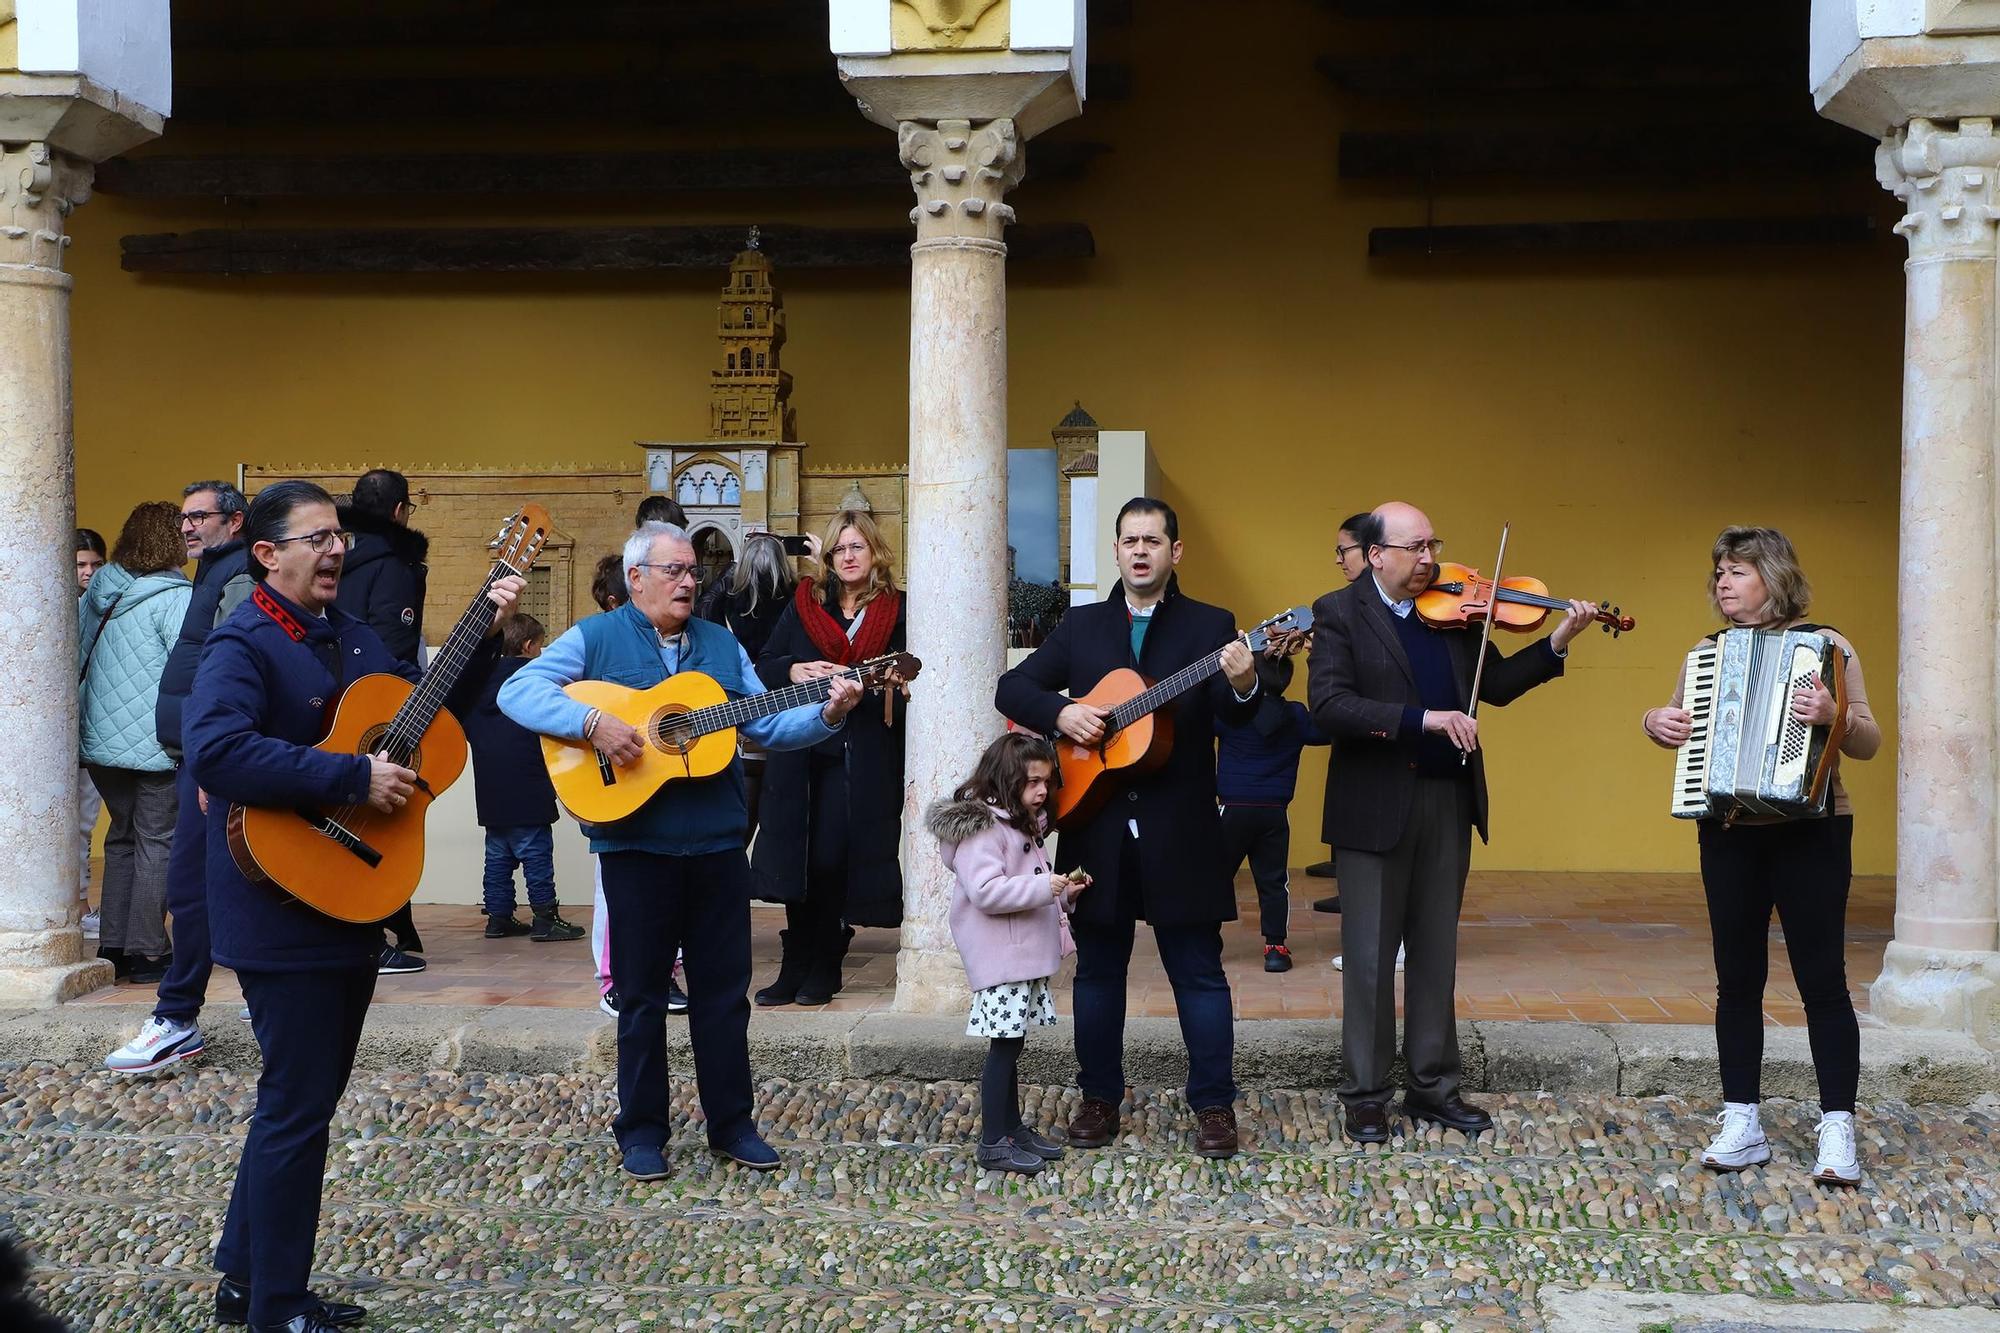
(1000, 1090)
(1801, 867)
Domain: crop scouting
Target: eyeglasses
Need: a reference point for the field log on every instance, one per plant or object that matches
(851, 548)
(1340, 552)
(1434, 545)
(194, 517)
(320, 542)
(673, 573)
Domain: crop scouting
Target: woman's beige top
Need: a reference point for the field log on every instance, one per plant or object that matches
(1864, 733)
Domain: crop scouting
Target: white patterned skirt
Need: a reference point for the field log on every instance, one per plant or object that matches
(1011, 1008)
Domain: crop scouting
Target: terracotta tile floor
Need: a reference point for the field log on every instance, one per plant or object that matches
(1596, 948)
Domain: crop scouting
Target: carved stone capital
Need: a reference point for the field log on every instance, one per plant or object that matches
(39, 186)
(961, 173)
(1946, 175)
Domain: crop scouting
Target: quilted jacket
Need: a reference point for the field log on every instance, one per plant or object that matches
(123, 685)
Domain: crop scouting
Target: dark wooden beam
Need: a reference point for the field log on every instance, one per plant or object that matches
(1478, 68)
(692, 172)
(1486, 9)
(1694, 151)
(1619, 236)
(552, 249)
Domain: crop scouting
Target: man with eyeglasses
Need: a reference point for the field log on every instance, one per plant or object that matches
(1405, 788)
(212, 525)
(675, 875)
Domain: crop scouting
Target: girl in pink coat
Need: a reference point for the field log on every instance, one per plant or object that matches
(1007, 920)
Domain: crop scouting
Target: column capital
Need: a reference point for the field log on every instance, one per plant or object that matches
(1945, 173)
(961, 172)
(39, 187)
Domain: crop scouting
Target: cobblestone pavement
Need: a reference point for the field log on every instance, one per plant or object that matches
(487, 1202)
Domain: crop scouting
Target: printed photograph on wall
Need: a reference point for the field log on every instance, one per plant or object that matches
(1035, 597)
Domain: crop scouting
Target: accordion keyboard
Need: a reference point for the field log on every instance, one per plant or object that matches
(1690, 795)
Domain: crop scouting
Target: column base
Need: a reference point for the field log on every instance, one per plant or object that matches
(1952, 989)
(930, 981)
(52, 984)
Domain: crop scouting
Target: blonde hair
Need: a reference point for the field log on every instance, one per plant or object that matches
(1770, 553)
(881, 573)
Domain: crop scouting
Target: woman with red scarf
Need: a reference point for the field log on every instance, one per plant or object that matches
(830, 819)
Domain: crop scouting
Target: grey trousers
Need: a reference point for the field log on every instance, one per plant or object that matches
(133, 907)
(1407, 895)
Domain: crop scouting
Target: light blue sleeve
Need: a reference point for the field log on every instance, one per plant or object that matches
(794, 729)
(533, 696)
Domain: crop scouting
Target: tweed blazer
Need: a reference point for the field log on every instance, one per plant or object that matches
(1359, 683)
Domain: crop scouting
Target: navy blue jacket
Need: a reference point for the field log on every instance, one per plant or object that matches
(213, 575)
(1258, 763)
(510, 785)
(259, 704)
(382, 581)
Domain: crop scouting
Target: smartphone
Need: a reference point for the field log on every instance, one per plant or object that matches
(795, 544)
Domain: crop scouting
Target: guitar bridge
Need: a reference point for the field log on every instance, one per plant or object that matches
(334, 831)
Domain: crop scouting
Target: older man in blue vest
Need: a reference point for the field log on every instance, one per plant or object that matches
(674, 873)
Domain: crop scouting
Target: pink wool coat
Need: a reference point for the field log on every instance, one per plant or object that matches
(1004, 919)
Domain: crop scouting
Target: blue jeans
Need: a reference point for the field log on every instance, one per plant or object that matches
(185, 986)
(529, 846)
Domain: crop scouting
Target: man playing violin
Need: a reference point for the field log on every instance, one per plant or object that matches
(1405, 788)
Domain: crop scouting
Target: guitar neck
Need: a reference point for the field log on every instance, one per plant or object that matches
(734, 713)
(1173, 687)
(414, 718)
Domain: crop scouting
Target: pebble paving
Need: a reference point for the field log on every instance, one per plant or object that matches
(494, 1202)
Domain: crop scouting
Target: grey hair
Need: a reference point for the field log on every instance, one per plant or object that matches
(639, 546)
(763, 570)
(227, 498)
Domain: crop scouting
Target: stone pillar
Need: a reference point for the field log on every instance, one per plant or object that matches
(1942, 970)
(41, 945)
(957, 521)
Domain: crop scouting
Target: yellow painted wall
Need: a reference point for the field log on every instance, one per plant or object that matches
(1618, 412)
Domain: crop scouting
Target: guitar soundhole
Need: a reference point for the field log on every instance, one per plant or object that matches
(672, 739)
(373, 739)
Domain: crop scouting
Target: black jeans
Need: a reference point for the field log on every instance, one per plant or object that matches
(1801, 867)
(185, 987)
(308, 1025)
(816, 922)
(1264, 834)
(700, 905)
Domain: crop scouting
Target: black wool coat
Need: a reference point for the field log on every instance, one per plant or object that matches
(382, 581)
(872, 752)
(1359, 686)
(1184, 877)
(510, 784)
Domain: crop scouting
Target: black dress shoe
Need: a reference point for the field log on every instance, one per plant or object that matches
(1327, 904)
(232, 1306)
(1454, 1112)
(1367, 1122)
(1321, 870)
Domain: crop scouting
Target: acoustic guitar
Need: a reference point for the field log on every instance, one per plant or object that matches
(689, 727)
(1138, 737)
(355, 862)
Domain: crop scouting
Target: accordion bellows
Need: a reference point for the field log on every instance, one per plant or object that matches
(1746, 754)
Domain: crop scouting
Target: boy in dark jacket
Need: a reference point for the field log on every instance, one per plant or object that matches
(516, 801)
(1256, 772)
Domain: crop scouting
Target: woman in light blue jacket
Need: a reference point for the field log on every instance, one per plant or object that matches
(127, 623)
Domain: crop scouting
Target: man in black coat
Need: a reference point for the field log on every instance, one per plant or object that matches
(1155, 849)
(212, 525)
(1405, 788)
(382, 586)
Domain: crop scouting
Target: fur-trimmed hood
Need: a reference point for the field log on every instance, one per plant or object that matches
(377, 537)
(952, 821)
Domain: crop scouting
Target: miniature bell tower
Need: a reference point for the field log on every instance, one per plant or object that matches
(748, 394)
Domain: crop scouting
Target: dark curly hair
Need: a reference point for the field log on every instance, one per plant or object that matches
(1002, 771)
(151, 539)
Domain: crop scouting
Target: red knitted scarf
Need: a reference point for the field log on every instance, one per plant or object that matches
(872, 640)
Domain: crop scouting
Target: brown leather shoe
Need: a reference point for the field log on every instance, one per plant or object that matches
(1367, 1122)
(1215, 1132)
(1095, 1125)
(1454, 1112)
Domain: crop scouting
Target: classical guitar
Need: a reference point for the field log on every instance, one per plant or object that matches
(689, 726)
(1137, 736)
(355, 862)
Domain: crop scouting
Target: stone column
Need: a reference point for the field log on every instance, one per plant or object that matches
(957, 520)
(41, 945)
(1942, 970)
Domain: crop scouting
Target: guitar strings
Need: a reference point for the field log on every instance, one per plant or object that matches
(735, 712)
(1125, 714)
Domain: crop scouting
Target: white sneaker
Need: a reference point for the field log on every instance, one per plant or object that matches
(1740, 1142)
(1402, 956)
(159, 1043)
(1837, 1164)
(92, 922)
(244, 1013)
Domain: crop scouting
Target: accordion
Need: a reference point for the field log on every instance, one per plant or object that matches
(1746, 755)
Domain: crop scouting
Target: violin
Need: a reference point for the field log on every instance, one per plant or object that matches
(1459, 597)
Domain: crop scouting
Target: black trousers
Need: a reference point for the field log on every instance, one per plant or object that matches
(1801, 867)
(308, 1025)
(700, 905)
(1264, 834)
(816, 922)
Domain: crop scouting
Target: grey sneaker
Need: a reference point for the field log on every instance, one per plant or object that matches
(1046, 1149)
(160, 1042)
(1005, 1156)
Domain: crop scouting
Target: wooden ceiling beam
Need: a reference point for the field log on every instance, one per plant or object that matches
(1678, 152)
(552, 249)
(1619, 236)
(1483, 70)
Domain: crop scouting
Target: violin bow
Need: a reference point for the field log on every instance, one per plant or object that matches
(1486, 636)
